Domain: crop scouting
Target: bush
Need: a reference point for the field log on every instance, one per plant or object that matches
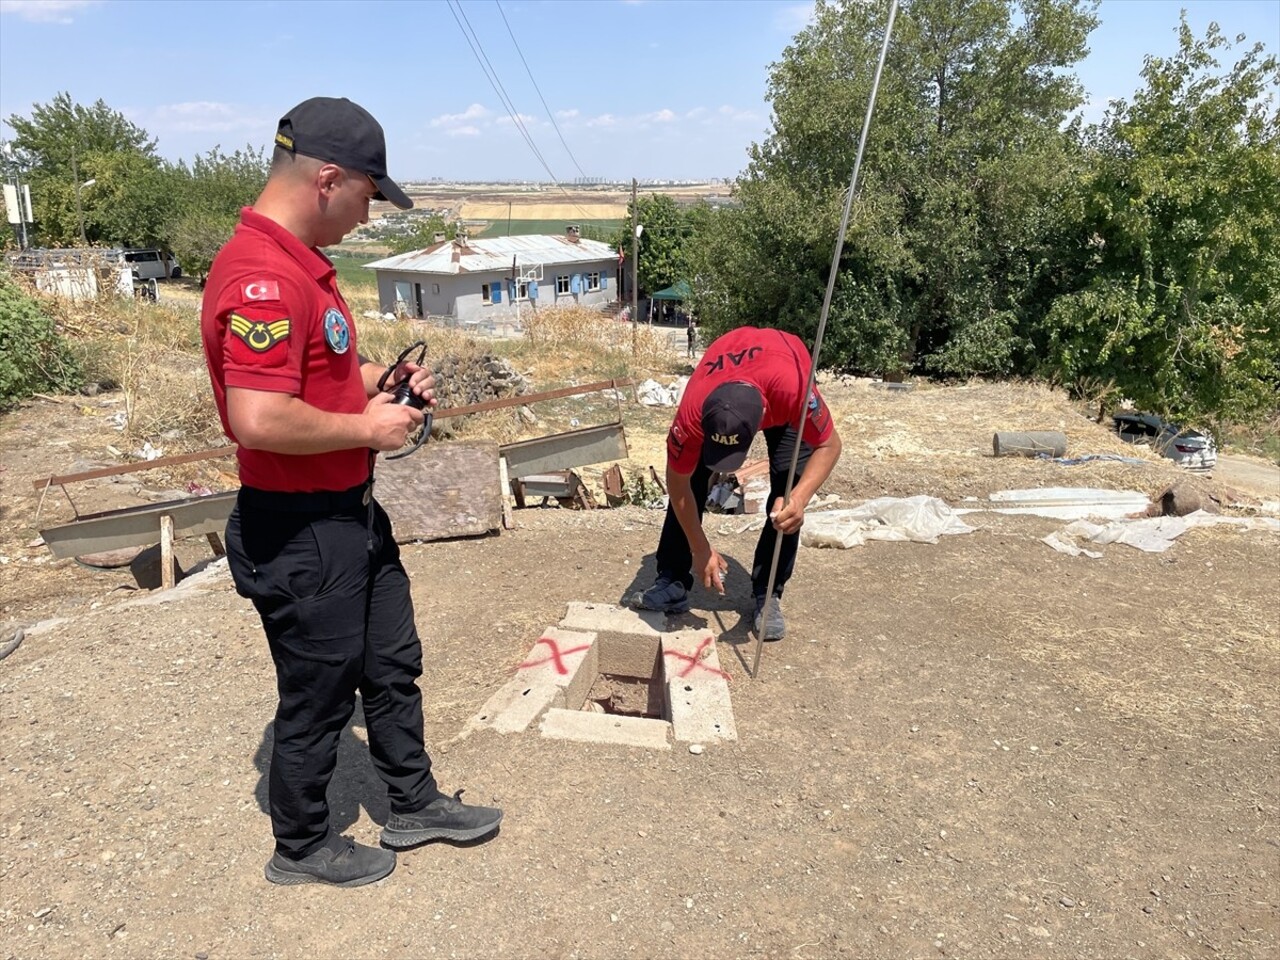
(33, 356)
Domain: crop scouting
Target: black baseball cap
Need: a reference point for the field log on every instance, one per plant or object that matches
(731, 415)
(336, 130)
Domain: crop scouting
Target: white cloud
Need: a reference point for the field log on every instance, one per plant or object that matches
(604, 120)
(567, 114)
(474, 112)
(467, 131)
(794, 18)
(200, 116)
(46, 11)
(525, 118)
(736, 115)
(695, 113)
(661, 116)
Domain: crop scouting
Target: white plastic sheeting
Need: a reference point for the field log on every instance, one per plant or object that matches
(920, 519)
(1150, 534)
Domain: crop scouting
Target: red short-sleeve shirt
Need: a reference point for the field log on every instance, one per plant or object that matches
(273, 319)
(776, 363)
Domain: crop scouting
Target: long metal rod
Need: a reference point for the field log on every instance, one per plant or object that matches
(769, 599)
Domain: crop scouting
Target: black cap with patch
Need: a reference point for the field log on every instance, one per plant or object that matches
(336, 130)
(731, 415)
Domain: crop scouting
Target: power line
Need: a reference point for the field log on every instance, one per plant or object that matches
(477, 50)
(550, 115)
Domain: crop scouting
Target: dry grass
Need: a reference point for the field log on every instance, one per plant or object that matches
(534, 210)
(570, 342)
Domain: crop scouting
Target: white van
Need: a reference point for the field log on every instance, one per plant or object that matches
(152, 264)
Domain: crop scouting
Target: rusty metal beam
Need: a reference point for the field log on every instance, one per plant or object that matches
(133, 467)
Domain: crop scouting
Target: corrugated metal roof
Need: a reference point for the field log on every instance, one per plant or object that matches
(486, 255)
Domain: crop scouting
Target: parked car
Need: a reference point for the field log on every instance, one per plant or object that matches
(1186, 447)
(152, 264)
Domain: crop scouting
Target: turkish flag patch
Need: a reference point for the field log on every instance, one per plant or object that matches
(259, 341)
(262, 290)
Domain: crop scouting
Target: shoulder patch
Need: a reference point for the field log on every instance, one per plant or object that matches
(259, 335)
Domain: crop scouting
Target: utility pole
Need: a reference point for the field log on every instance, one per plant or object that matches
(635, 266)
(75, 173)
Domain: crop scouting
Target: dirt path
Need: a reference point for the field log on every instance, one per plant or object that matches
(1249, 473)
(977, 747)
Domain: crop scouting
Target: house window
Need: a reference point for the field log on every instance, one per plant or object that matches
(520, 288)
(435, 289)
(593, 281)
(562, 285)
(491, 292)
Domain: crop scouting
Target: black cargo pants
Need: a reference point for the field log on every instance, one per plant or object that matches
(324, 573)
(675, 558)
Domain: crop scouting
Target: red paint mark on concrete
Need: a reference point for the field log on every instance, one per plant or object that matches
(556, 657)
(694, 662)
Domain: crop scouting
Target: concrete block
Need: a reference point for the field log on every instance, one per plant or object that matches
(627, 641)
(606, 618)
(603, 728)
(698, 701)
(552, 665)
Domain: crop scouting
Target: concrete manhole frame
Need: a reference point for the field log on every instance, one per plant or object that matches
(552, 681)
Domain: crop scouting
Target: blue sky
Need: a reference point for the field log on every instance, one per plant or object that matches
(646, 88)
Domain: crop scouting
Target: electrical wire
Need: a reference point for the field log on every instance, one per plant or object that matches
(550, 115)
(477, 50)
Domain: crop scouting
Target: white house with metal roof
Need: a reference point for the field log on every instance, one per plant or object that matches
(497, 280)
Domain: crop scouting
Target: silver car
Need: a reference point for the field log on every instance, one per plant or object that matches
(1186, 447)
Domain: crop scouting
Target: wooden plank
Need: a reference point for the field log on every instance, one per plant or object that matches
(444, 490)
(562, 451)
(133, 467)
(534, 398)
(166, 552)
(139, 526)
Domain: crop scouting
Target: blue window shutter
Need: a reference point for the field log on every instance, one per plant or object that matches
(575, 283)
(533, 289)
(604, 281)
(495, 292)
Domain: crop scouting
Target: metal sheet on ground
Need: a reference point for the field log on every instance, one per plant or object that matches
(444, 490)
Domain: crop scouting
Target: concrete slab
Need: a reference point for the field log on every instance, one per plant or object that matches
(602, 728)
(698, 701)
(558, 661)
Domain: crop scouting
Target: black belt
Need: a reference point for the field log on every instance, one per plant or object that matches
(319, 501)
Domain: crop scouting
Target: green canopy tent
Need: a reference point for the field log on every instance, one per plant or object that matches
(680, 290)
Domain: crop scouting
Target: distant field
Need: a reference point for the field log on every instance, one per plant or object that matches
(565, 212)
(592, 229)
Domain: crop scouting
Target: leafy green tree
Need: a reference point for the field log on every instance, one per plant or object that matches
(1177, 296)
(424, 233)
(67, 143)
(663, 243)
(196, 237)
(957, 211)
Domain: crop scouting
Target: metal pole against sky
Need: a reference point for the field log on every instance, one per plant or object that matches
(822, 325)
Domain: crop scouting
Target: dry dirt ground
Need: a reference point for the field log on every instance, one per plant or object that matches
(976, 748)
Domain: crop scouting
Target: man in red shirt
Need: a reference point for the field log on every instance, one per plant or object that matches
(748, 380)
(306, 542)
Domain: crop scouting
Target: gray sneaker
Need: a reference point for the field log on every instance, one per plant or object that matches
(776, 627)
(667, 596)
(444, 818)
(341, 862)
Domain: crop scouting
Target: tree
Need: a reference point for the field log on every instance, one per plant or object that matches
(424, 234)
(1177, 298)
(663, 243)
(66, 142)
(957, 209)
